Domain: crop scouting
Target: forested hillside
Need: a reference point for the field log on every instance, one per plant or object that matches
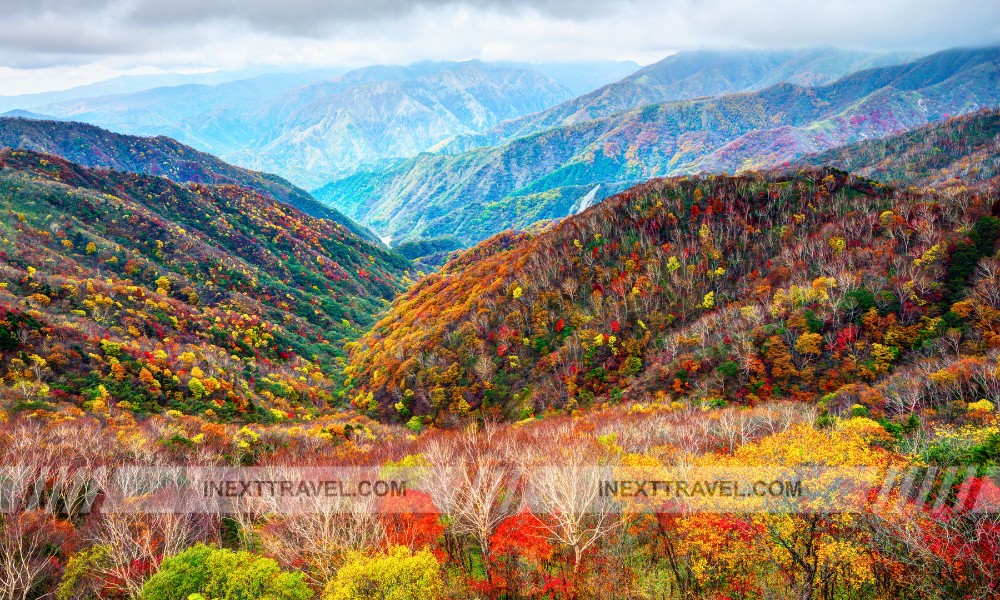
(961, 152)
(811, 286)
(758, 324)
(148, 294)
(91, 146)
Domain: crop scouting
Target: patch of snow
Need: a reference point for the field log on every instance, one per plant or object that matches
(585, 201)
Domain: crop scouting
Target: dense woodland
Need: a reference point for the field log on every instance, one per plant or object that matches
(154, 295)
(960, 152)
(809, 286)
(806, 317)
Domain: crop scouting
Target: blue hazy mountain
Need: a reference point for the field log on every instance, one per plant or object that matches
(309, 128)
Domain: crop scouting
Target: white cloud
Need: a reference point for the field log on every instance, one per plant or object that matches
(50, 44)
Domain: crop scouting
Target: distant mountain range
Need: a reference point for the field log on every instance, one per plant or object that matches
(310, 127)
(545, 175)
(27, 114)
(685, 76)
(368, 117)
(128, 84)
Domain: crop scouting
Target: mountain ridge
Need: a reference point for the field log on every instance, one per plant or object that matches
(687, 75)
(92, 146)
(963, 151)
(479, 193)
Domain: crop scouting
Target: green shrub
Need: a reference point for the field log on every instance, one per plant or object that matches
(223, 575)
(632, 365)
(965, 257)
(80, 580)
(729, 369)
(955, 451)
(415, 424)
(414, 249)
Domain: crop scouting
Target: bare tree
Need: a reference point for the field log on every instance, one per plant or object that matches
(317, 531)
(137, 536)
(24, 564)
(473, 481)
(565, 487)
(913, 540)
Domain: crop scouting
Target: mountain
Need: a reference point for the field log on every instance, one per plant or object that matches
(128, 84)
(94, 147)
(711, 289)
(330, 128)
(27, 114)
(311, 131)
(685, 76)
(962, 151)
(144, 294)
(148, 111)
(550, 174)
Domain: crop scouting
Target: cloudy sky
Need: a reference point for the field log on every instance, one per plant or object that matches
(55, 44)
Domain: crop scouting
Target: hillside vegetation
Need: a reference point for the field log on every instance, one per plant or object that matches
(960, 152)
(776, 385)
(136, 291)
(815, 286)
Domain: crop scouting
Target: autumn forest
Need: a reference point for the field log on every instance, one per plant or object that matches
(812, 320)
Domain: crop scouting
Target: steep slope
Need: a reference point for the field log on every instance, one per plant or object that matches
(135, 293)
(316, 129)
(685, 76)
(711, 289)
(479, 193)
(94, 147)
(961, 152)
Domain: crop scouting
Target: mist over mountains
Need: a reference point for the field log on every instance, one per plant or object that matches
(314, 125)
(688, 75)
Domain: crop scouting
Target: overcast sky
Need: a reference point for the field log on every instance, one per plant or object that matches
(55, 44)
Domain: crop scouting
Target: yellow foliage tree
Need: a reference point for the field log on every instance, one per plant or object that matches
(398, 574)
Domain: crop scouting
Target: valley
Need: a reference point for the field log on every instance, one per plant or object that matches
(725, 325)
